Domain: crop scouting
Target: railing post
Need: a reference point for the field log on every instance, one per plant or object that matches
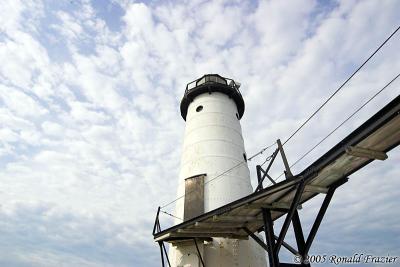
(288, 173)
(156, 222)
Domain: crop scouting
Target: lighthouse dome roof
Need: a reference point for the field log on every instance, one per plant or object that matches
(212, 83)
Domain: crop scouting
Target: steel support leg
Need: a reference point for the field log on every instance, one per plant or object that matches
(321, 214)
(288, 247)
(162, 254)
(298, 232)
(270, 238)
(198, 251)
(166, 254)
(317, 222)
(289, 216)
(256, 238)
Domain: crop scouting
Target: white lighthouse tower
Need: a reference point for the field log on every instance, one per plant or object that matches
(212, 107)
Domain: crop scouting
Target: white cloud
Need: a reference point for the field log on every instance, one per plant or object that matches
(20, 103)
(281, 29)
(69, 28)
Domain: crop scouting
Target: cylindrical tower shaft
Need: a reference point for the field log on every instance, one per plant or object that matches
(214, 146)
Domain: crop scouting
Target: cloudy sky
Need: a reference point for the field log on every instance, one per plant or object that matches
(91, 134)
